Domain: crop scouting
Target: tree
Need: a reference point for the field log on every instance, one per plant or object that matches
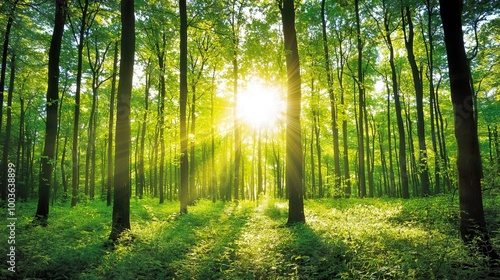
(3, 69)
(74, 152)
(51, 107)
(361, 105)
(8, 127)
(472, 222)
(121, 203)
(333, 106)
(111, 126)
(183, 193)
(419, 94)
(294, 159)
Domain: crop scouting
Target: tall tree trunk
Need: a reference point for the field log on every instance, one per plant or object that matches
(392, 180)
(111, 126)
(320, 159)
(8, 128)
(213, 182)
(361, 105)
(192, 152)
(142, 178)
(237, 133)
(260, 180)
(42, 211)
(121, 201)
(21, 161)
(401, 128)
(183, 193)
(294, 160)
(3, 70)
(472, 222)
(333, 105)
(161, 118)
(368, 153)
(312, 162)
(429, 48)
(419, 92)
(75, 150)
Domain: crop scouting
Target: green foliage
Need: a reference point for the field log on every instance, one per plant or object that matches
(343, 239)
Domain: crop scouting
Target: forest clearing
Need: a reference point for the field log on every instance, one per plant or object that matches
(343, 239)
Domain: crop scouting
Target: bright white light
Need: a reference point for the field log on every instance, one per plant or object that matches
(259, 105)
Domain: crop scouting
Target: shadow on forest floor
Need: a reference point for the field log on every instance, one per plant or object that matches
(342, 239)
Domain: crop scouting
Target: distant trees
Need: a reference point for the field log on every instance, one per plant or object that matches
(370, 121)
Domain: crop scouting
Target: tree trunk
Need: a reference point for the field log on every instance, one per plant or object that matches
(8, 128)
(419, 92)
(472, 222)
(260, 180)
(183, 193)
(313, 171)
(333, 105)
(294, 159)
(42, 211)
(237, 133)
(161, 118)
(111, 126)
(361, 105)
(121, 203)
(192, 153)
(401, 129)
(3, 70)
(75, 150)
(392, 180)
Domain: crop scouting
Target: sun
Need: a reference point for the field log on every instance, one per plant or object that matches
(259, 105)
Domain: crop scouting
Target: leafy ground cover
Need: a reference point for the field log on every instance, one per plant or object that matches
(342, 239)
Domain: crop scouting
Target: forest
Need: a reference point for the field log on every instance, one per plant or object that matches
(243, 139)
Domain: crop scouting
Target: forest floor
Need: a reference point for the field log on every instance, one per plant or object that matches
(342, 239)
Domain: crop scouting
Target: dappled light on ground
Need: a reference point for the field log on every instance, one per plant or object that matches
(342, 239)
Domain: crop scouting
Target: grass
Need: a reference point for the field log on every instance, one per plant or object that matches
(342, 239)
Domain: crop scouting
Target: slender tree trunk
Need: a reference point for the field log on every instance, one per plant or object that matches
(213, 183)
(472, 222)
(161, 120)
(333, 106)
(183, 193)
(361, 105)
(111, 126)
(313, 168)
(392, 180)
(142, 177)
(192, 154)
(401, 128)
(42, 211)
(8, 128)
(369, 157)
(429, 47)
(294, 159)
(320, 160)
(76, 119)
(121, 203)
(260, 180)
(412, 169)
(419, 92)
(237, 133)
(21, 161)
(3, 70)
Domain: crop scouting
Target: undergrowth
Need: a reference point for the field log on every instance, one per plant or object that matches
(342, 239)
